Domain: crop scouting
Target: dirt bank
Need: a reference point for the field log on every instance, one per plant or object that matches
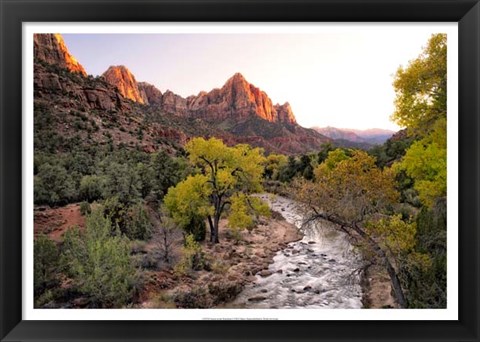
(55, 221)
(377, 289)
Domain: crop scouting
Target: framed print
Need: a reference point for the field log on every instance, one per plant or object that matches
(239, 170)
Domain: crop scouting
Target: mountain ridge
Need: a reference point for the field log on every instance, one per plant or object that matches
(124, 111)
(373, 136)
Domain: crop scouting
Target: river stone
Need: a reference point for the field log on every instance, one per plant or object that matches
(332, 260)
(280, 271)
(311, 242)
(296, 270)
(263, 290)
(265, 273)
(257, 299)
(307, 288)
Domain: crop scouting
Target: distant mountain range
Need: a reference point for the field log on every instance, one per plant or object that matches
(137, 113)
(372, 136)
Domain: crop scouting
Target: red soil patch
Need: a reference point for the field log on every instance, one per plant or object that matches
(55, 221)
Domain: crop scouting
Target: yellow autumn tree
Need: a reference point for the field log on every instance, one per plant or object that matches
(228, 175)
(350, 192)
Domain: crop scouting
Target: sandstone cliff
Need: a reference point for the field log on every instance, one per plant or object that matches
(153, 95)
(126, 83)
(51, 49)
(238, 100)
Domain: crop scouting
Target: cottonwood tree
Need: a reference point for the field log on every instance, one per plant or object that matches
(421, 107)
(224, 172)
(352, 192)
(421, 88)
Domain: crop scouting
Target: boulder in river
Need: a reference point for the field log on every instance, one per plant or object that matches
(265, 273)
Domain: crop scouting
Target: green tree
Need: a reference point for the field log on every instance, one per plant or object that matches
(100, 263)
(166, 173)
(274, 164)
(324, 150)
(147, 178)
(421, 88)
(53, 185)
(421, 107)
(91, 187)
(122, 181)
(225, 171)
(426, 163)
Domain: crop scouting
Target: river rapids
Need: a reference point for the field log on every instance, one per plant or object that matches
(317, 272)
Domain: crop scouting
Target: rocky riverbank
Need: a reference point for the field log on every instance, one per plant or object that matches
(232, 264)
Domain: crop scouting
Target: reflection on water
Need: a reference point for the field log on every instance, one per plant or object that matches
(316, 272)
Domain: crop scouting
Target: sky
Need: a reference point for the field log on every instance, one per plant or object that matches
(341, 79)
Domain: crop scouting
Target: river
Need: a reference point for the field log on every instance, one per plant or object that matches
(316, 272)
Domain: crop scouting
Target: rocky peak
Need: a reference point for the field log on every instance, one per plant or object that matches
(150, 92)
(51, 49)
(126, 83)
(239, 100)
(285, 113)
(175, 104)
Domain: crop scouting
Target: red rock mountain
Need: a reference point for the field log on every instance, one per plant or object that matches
(237, 100)
(51, 48)
(126, 83)
(96, 109)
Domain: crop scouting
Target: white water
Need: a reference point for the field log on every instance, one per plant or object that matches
(316, 272)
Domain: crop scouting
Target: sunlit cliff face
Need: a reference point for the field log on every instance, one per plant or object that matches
(126, 83)
(51, 49)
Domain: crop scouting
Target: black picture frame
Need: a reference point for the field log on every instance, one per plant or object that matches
(15, 12)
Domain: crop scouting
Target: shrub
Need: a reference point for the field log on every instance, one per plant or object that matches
(85, 208)
(138, 225)
(45, 254)
(193, 257)
(196, 298)
(167, 233)
(197, 228)
(115, 211)
(100, 263)
(224, 291)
